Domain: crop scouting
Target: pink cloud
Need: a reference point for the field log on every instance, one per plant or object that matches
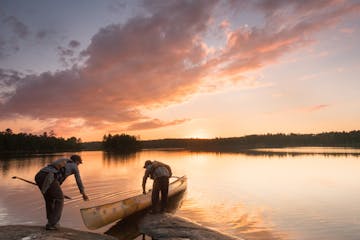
(289, 26)
(161, 59)
(154, 123)
(225, 24)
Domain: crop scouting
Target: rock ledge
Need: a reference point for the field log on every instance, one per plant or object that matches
(24, 232)
(170, 227)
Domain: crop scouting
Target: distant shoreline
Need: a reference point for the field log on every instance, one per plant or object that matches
(234, 144)
(330, 139)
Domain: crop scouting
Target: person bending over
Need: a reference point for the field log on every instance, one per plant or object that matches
(160, 173)
(49, 180)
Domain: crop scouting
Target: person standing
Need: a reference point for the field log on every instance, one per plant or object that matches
(49, 180)
(160, 173)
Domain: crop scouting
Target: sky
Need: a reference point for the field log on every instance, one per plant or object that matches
(179, 68)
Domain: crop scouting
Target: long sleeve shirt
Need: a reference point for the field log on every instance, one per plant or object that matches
(64, 167)
(69, 169)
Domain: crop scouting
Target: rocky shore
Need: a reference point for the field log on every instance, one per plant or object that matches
(170, 227)
(153, 226)
(21, 232)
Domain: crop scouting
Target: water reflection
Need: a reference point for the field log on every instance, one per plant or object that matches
(295, 194)
(237, 220)
(110, 157)
(128, 228)
(8, 162)
(293, 152)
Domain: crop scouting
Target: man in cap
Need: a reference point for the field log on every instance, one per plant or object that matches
(160, 173)
(49, 180)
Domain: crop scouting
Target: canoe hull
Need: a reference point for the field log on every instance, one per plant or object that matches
(99, 216)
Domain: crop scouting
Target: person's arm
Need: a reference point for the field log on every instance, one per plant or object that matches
(146, 175)
(79, 182)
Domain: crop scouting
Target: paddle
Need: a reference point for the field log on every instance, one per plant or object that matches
(22, 179)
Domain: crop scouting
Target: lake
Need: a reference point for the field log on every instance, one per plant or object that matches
(290, 193)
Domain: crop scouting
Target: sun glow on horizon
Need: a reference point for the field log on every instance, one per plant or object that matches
(199, 134)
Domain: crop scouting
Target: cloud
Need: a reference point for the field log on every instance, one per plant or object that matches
(19, 28)
(67, 54)
(11, 31)
(161, 58)
(154, 123)
(74, 44)
(42, 34)
(116, 7)
(9, 81)
(2, 47)
(289, 26)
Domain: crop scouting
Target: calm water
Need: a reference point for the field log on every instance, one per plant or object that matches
(298, 193)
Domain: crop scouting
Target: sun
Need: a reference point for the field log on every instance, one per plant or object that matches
(202, 134)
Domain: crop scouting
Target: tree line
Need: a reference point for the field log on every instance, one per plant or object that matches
(329, 139)
(123, 143)
(11, 142)
(127, 143)
(120, 143)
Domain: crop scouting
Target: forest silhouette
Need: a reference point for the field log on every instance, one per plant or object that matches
(329, 139)
(28, 143)
(48, 142)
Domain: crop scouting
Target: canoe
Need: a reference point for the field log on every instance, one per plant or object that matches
(99, 216)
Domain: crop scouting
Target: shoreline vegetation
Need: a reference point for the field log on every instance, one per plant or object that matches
(327, 139)
(23, 143)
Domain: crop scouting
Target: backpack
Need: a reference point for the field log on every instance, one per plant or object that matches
(156, 165)
(61, 175)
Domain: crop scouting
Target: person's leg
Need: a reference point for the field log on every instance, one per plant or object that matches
(164, 192)
(39, 179)
(54, 204)
(155, 195)
(49, 207)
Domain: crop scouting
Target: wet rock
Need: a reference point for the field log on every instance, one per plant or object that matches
(19, 232)
(170, 227)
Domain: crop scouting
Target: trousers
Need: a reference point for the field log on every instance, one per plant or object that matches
(160, 185)
(54, 198)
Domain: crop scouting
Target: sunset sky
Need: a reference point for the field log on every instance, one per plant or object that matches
(179, 69)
